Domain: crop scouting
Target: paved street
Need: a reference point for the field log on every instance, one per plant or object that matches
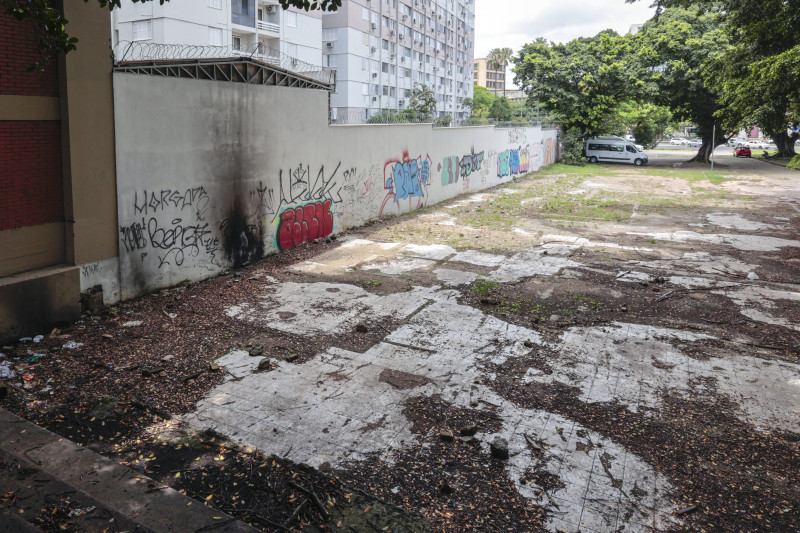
(592, 349)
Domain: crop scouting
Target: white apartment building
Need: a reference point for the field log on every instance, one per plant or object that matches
(381, 49)
(237, 24)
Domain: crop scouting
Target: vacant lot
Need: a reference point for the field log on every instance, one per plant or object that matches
(592, 349)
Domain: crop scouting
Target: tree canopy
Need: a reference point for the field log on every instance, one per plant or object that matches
(757, 76)
(582, 82)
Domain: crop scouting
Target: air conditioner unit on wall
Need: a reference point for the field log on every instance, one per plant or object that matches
(329, 45)
(272, 9)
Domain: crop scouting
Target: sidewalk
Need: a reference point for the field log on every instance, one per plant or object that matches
(46, 479)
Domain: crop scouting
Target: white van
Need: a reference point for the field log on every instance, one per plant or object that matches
(614, 150)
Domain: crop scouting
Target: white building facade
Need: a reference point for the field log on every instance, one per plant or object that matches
(381, 49)
(246, 25)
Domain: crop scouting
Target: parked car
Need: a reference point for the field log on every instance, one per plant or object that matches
(735, 141)
(758, 144)
(614, 150)
(695, 143)
(677, 141)
(742, 150)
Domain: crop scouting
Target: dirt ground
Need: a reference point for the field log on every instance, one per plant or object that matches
(594, 349)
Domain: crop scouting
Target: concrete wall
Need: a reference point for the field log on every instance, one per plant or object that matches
(213, 174)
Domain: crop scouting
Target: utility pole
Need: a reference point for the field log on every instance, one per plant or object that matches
(713, 142)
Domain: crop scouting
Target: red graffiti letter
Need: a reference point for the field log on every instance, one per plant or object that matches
(285, 230)
(327, 218)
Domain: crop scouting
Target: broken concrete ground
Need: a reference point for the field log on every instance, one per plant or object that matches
(638, 353)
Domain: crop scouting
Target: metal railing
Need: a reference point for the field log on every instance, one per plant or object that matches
(268, 26)
(132, 51)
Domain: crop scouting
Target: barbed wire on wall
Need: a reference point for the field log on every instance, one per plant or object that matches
(132, 51)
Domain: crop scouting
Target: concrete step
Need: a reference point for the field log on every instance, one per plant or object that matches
(46, 471)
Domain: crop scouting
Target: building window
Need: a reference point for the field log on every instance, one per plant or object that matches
(291, 19)
(236, 42)
(142, 30)
(215, 36)
(365, 13)
(291, 49)
(329, 34)
(216, 4)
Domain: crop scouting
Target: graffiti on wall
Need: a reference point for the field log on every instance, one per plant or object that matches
(297, 185)
(182, 233)
(406, 179)
(550, 151)
(513, 162)
(361, 194)
(304, 223)
(517, 136)
(454, 167)
(153, 202)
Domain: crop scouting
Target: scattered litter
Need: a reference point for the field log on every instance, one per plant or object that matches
(5, 370)
(396, 490)
(80, 512)
(34, 357)
(752, 276)
(132, 324)
(27, 377)
(23, 340)
(72, 345)
(38, 338)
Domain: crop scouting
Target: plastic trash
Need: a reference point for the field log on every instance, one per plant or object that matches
(72, 345)
(38, 338)
(5, 370)
(79, 512)
(752, 276)
(23, 340)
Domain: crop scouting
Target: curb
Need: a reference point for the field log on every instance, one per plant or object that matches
(118, 489)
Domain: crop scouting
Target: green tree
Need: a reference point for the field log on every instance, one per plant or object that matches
(423, 102)
(499, 58)
(674, 51)
(648, 122)
(482, 100)
(501, 109)
(581, 82)
(758, 77)
(467, 104)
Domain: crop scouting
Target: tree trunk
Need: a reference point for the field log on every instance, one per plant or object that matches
(785, 144)
(704, 153)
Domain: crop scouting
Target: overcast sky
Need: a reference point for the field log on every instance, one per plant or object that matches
(512, 23)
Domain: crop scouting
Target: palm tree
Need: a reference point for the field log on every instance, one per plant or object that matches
(498, 58)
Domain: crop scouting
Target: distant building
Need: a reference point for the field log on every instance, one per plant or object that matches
(248, 25)
(634, 29)
(485, 74)
(382, 49)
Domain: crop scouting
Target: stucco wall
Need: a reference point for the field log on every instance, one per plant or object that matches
(212, 174)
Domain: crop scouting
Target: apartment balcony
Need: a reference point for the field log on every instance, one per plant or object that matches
(269, 29)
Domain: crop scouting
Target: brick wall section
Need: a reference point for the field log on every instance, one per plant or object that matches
(17, 53)
(31, 191)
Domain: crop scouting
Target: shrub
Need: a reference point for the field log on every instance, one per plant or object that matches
(572, 153)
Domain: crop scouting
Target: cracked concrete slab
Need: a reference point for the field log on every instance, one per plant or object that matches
(758, 243)
(295, 411)
(632, 364)
(737, 222)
